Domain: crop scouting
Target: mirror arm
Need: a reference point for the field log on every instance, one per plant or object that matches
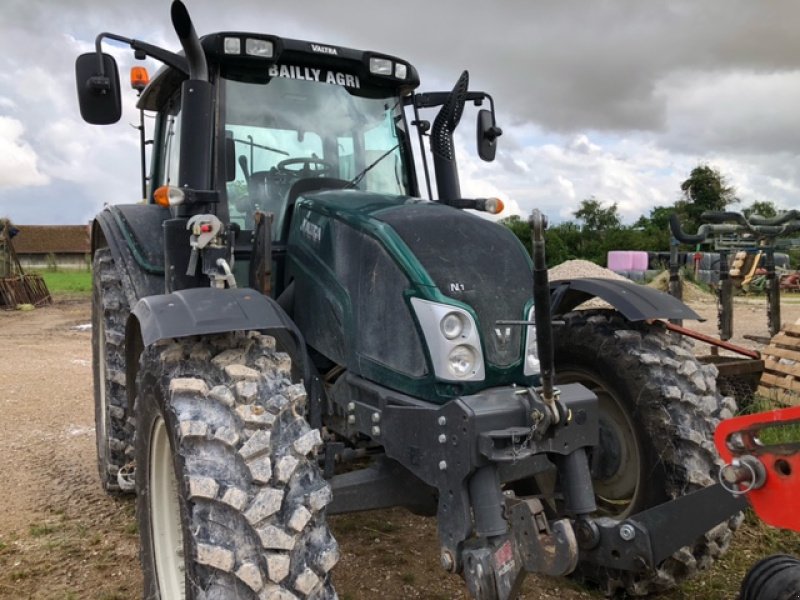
(165, 56)
(494, 131)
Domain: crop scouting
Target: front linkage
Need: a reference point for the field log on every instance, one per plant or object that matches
(466, 450)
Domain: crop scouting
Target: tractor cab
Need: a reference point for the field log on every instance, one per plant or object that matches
(291, 117)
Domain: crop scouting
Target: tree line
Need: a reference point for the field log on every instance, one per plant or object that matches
(598, 228)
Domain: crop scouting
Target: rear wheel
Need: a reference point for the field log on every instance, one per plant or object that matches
(113, 423)
(230, 501)
(659, 408)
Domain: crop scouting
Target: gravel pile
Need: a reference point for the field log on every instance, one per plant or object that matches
(581, 269)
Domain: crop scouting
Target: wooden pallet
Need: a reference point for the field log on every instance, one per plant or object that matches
(780, 381)
(23, 289)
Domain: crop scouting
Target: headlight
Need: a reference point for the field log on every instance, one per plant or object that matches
(461, 361)
(452, 339)
(532, 366)
(452, 325)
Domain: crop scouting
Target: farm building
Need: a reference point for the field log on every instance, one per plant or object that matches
(49, 246)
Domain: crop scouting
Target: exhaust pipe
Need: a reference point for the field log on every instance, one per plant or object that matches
(182, 22)
(197, 117)
(442, 147)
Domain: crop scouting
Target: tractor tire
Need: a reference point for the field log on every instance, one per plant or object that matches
(230, 500)
(113, 422)
(659, 408)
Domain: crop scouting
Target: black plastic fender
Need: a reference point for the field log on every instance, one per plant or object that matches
(635, 302)
(207, 310)
(202, 311)
(134, 234)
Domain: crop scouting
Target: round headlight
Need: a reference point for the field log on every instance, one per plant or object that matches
(461, 361)
(452, 325)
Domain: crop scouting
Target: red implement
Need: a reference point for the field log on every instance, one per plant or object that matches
(762, 455)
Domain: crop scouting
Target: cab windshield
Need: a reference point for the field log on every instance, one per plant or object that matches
(293, 129)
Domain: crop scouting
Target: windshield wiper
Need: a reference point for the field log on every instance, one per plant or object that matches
(357, 179)
(262, 147)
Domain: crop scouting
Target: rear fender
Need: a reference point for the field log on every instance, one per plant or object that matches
(635, 302)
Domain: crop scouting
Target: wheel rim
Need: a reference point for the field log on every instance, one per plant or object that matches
(165, 518)
(616, 470)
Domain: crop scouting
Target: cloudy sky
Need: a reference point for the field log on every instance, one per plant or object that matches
(619, 99)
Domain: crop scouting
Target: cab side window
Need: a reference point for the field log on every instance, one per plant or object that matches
(172, 136)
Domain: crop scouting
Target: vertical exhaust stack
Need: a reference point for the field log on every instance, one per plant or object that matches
(196, 106)
(442, 147)
(182, 22)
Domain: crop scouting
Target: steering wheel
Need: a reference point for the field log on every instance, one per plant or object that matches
(320, 167)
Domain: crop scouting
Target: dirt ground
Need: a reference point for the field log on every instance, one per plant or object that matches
(62, 538)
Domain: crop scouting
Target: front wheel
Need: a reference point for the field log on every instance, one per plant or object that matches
(230, 502)
(658, 409)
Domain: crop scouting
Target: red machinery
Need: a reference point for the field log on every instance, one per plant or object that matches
(762, 455)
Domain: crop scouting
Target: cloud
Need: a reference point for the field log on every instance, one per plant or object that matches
(732, 112)
(18, 161)
(615, 99)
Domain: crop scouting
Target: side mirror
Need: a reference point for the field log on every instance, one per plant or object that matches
(98, 92)
(488, 133)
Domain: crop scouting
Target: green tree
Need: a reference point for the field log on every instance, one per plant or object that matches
(705, 189)
(520, 228)
(597, 217)
(764, 208)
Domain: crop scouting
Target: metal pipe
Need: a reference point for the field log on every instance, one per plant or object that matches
(725, 298)
(198, 67)
(773, 292)
(696, 335)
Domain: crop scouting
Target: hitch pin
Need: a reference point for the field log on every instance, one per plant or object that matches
(745, 470)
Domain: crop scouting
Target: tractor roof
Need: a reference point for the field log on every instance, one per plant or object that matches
(230, 51)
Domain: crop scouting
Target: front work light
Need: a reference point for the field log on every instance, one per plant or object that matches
(232, 45)
(260, 48)
(380, 66)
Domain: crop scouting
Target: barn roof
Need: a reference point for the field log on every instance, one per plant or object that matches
(58, 239)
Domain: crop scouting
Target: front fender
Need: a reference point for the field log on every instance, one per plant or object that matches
(635, 302)
(134, 235)
(202, 311)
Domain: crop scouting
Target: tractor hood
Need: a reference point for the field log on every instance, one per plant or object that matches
(352, 254)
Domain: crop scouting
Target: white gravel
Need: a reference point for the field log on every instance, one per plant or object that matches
(581, 269)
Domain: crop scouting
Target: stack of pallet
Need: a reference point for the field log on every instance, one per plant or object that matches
(16, 287)
(780, 381)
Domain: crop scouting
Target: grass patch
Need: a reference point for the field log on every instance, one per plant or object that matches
(67, 282)
(40, 529)
(775, 433)
(751, 543)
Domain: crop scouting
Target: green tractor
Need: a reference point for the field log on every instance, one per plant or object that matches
(285, 329)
